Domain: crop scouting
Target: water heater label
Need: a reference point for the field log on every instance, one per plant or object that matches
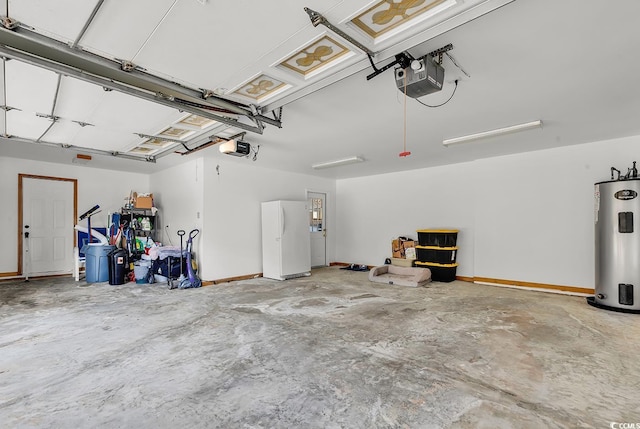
(626, 194)
(597, 205)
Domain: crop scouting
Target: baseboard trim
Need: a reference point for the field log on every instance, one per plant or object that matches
(231, 279)
(542, 287)
(346, 264)
(15, 274)
(516, 284)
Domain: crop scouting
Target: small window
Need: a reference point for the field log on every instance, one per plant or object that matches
(316, 213)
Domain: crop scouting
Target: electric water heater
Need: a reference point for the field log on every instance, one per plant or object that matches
(617, 245)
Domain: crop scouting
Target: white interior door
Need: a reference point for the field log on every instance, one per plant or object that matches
(48, 220)
(318, 228)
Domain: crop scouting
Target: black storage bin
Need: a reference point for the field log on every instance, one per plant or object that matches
(440, 272)
(117, 266)
(440, 255)
(437, 237)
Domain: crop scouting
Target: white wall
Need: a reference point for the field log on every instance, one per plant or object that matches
(226, 209)
(95, 186)
(535, 211)
(525, 217)
(233, 244)
(178, 193)
(374, 210)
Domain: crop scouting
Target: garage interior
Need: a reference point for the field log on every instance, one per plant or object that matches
(214, 109)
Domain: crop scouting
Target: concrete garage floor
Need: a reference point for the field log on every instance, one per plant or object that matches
(332, 350)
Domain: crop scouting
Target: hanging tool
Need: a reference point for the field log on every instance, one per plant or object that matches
(89, 212)
(92, 211)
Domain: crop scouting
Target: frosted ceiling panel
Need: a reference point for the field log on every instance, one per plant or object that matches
(60, 19)
(77, 100)
(205, 44)
(111, 140)
(30, 88)
(136, 21)
(63, 132)
(26, 125)
(127, 113)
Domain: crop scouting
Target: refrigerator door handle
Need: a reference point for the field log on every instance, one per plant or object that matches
(281, 221)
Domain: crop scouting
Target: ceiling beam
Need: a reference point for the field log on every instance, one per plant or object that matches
(78, 149)
(20, 43)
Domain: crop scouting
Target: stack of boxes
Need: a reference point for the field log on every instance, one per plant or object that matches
(403, 252)
(437, 251)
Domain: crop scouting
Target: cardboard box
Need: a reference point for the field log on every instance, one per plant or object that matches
(140, 202)
(408, 244)
(397, 248)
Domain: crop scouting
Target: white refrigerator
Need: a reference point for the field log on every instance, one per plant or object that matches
(286, 247)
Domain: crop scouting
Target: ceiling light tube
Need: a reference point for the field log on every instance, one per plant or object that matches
(493, 133)
(338, 162)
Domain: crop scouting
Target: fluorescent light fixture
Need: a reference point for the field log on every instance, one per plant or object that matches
(493, 133)
(338, 162)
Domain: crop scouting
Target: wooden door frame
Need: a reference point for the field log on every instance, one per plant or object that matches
(20, 214)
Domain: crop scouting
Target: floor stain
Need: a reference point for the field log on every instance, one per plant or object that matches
(313, 302)
(248, 310)
(364, 296)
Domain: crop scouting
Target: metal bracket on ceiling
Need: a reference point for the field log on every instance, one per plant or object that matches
(278, 116)
(9, 108)
(317, 19)
(403, 59)
(233, 137)
(8, 23)
(165, 97)
(52, 118)
(439, 52)
(206, 93)
(127, 66)
(83, 124)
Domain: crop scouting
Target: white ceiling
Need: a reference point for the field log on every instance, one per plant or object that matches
(572, 64)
